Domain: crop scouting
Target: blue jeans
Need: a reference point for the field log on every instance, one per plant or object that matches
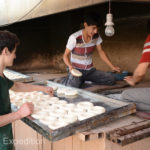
(96, 76)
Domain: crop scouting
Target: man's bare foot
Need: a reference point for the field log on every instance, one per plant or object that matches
(129, 80)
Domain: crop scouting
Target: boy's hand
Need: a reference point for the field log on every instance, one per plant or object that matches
(70, 68)
(26, 109)
(117, 69)
(48, 90)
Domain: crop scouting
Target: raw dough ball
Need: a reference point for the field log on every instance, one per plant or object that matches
(70, 107)
(97, 110)
(54, 98)
(61, 92)
(71, 93)
(85, 104)
(83, 116)
(61, 112)
(48, 120)
(69, 118)
(76, 73)
(61, 102)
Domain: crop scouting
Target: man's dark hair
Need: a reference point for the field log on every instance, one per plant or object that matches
(92, 19)
(9, 40)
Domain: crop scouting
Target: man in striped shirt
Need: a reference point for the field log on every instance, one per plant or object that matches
(78, 55)
(141, 96)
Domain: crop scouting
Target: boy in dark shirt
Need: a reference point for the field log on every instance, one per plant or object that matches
(8, 45)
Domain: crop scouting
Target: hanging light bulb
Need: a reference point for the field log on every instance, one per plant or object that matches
(109, 31)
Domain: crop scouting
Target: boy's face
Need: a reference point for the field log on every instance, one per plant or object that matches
(10, 56)
(91, 30)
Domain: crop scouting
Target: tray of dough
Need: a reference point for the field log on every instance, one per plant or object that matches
(69, 111)
(16, 76)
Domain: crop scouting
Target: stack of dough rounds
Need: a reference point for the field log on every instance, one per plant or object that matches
(76, 73)
(71, 93)
(68, 93)
(61, 92)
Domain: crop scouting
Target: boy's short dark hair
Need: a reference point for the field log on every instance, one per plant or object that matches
(9, 40)
(92, 19)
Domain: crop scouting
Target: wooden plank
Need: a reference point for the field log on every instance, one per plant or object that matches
(133, 137)
(47, 145)
(25, 137)
(143, 144)
(133, 127)
(40, 140)
(130, 133)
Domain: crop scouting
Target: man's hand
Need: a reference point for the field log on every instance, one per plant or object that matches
(48, 90)
(70, 68)
(130, 80)
(25, 110)
(117, 69)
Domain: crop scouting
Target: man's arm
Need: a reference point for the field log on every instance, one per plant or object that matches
(24, 87)
(66, 58)
(139, 73)
(105, 58)
(25, 110)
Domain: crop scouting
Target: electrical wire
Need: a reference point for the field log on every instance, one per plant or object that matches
(109, 6)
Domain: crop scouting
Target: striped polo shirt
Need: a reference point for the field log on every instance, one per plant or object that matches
(81, 52)
(146, 51)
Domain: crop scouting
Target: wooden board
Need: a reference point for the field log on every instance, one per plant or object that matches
(130, 133)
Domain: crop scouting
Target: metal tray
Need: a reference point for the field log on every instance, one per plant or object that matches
(114, 110)
(22, 78)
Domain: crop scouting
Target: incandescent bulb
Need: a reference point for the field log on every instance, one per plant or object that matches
(109, 31)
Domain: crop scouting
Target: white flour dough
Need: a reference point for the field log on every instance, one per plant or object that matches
(76, 73)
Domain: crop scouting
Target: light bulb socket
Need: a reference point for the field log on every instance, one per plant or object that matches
(109, 18)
